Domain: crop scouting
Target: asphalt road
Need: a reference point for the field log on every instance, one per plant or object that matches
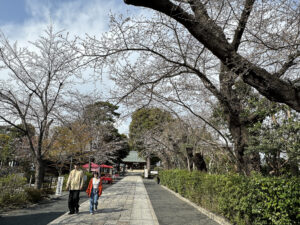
(39, 214)
(171, 210)
(42, 213)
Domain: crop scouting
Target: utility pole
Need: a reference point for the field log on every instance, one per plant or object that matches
(89, 163)
(148, 165)
(91, 148)
(71, 163)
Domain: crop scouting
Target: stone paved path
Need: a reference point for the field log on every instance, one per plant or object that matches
(124, 203)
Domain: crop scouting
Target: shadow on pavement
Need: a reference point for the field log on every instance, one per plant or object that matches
(36, 219)
(110, 210)
(46, 211)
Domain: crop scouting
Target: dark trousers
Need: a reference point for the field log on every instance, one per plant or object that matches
(73, 200)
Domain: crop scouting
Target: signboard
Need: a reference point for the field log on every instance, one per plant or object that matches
(146, 173)
(153, 172)
(60, 181)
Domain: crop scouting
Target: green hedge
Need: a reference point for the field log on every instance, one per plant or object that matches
(34, 195)
(242, 200)
(89, 177)
(12, 191)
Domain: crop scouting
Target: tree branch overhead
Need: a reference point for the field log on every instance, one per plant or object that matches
(211, 36)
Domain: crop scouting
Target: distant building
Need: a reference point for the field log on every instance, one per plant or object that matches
(133, 161)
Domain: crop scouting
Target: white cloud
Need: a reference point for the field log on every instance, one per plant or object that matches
(77, 17)
(37, 9)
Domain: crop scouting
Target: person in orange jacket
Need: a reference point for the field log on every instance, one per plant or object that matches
(94, 191)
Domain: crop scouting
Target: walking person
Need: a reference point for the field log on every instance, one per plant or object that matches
(74, 185)
(94, 191)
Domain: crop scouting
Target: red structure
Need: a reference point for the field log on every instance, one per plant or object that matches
(94, 166)
(104, 170)
(106, 173)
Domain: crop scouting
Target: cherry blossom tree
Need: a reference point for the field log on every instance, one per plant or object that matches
(39, 77)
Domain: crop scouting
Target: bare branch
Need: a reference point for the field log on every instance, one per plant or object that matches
(287, 64)
(242, 24)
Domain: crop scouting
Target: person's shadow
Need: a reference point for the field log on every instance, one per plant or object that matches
(110, 210)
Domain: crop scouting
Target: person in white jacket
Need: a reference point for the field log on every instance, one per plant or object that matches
(74, 185)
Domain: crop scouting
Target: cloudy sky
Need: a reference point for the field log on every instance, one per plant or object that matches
(25, 20)
(78, 16)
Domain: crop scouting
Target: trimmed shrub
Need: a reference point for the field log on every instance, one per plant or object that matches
(66, 176)
(11, 191)
(48, 191)
(242, 200)
(33, 195)
(274, 200)
(14, 192)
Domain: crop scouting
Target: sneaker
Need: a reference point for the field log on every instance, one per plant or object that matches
(91, 213)
(77, 211)
(70, 213)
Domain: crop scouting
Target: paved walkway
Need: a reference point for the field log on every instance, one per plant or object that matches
(170, 210)
(124, 203)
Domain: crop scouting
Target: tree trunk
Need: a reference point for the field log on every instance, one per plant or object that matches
(294, 169)
(239, 148)
(148, 163)
(30, 181)
(188, 164)
(167, 164)
(293, 164)
(233, 109)
(199, 162)
(71, 163)
(244, 163)
(254, 162)
(164, 159)
(39, 173)
(89, 164)
(189, 157)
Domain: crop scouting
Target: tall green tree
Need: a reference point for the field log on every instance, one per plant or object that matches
(69, 142)
(143, 120)
(6, 148)
(100, 113)
(277, 139)
(121, 146)
(106, 144)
